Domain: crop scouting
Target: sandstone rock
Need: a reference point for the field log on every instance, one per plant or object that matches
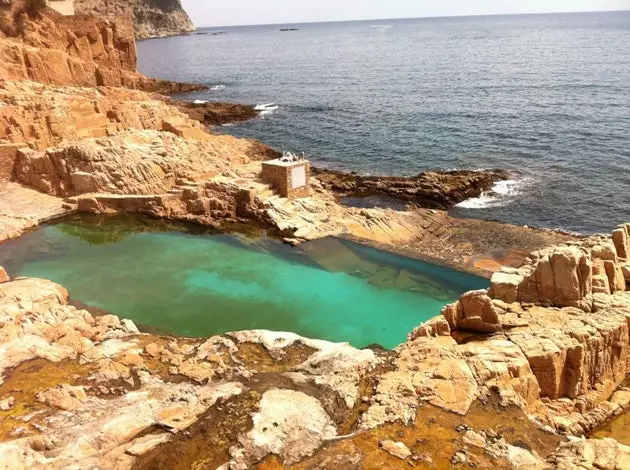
(145, 444)
(64, 396)
(289, 424)
(340, 367)
(561, 277)
(397, 449)
(7, 404)
(474, 311)
(621, 242)
(79, 51)
(615, 275)
(151, 18)
(504, 286)
(589, 454)
(501, 365)
(437, 326)
(4, 277)
(41, 443)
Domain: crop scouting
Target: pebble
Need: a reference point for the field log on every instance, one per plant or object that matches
(459, 457)
(7, 404)
(397, 449)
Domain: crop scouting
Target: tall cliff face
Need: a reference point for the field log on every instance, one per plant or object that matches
(76, 50)
(152, 18)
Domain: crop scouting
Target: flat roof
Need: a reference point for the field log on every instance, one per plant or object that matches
(277, 162)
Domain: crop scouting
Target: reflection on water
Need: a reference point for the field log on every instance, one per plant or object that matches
(193, 282)
(619, 427)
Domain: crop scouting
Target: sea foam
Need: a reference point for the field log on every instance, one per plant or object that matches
(501, 194)
(267, 108)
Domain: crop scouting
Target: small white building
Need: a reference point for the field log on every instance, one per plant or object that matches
(65, 7)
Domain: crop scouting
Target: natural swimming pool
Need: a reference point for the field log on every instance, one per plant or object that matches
(193, 282)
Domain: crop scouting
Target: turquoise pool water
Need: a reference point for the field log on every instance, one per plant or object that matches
(200, 284)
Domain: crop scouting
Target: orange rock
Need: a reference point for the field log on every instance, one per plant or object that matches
(63, 396)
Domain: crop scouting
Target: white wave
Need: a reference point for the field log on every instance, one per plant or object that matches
(200, 101)
(217, 87)
(501, 194)
(267, 108)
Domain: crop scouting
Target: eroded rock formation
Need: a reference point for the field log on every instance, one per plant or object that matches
(573, 333)
(76, 50)
(152, 18)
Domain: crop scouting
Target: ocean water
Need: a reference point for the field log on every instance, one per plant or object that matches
(201, 284)
(547, 96)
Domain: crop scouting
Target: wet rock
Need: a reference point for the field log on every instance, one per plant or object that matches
(438, 190)
(216, 114)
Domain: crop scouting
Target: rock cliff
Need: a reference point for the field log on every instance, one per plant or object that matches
(75, 50)
(151, 18)
(567, 309)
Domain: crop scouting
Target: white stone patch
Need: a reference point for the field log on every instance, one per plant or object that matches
(289, 424)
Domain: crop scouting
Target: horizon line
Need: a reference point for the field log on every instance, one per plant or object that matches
(474, 15)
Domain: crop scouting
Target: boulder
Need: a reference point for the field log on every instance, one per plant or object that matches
(64, 396)
(616, 279)
(620, 240)
(504, 286)
(397, 449)
(474, 312)
(560, 277)
(289, 424)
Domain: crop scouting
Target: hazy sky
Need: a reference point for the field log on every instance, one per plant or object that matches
(238, 12)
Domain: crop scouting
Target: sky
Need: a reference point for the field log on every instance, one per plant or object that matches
(247, 12)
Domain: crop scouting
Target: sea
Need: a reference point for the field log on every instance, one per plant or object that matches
(546, 96)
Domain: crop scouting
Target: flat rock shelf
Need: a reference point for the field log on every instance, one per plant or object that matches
(185, 281)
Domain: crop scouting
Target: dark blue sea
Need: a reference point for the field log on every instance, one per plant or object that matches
(547, 96)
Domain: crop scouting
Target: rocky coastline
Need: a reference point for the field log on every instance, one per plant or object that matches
(509, 377)
(434, 190)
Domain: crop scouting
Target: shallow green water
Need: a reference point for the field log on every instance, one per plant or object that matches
(205, 284)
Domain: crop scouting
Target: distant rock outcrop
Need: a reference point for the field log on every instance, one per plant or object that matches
(152, 18)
